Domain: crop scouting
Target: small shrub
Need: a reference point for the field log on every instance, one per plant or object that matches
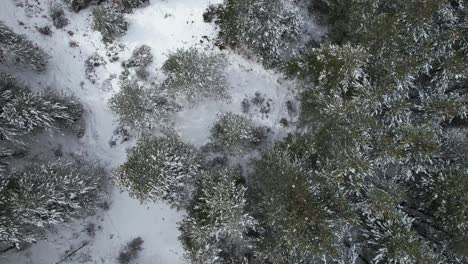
(91, 229)
(284, 122)
(109, 22)
(236, 134)
(196, 75)
(92, 62)
(130, 251)
(113, 51)
(58, 15)
(257, 102)
(73, 44)
(128, 5)
(45, 30)
(141, 57)
(77, 5)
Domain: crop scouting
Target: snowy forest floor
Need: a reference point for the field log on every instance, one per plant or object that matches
(165, 26)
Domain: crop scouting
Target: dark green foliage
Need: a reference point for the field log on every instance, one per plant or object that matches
(109, 22)
(130, 251)
(380, 106)
(295, 213)
(18, 49)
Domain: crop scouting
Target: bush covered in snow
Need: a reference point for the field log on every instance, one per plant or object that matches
(57, 14)
(77, 5)
(236, 134)
(128, 5)
(130, 251)
(110, 22)
(268, 28)
(18, 49)
(43, 194)
(141, 57)
(91, 64)
(142, 108)
(22, 112)
(196, 75)
(160, 169)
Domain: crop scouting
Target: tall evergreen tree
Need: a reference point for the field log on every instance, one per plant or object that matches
(19, 49)
(43, 194)
(160, 169)
(22, 112)
(216, 228)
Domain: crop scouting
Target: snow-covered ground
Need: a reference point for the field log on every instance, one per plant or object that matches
(164, 26)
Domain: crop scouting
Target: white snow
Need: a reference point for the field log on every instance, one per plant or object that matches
(164, 26)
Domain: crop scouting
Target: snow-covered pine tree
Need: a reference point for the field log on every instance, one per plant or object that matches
(160, 169)
(15, 48)
(267, 28)
(216, 228)
(44, 194)
(236, 134)
(196, 75)
(22, 112)
(142, 107)
(110, 22)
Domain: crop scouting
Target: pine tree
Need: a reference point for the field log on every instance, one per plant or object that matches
(236, 134)
(160, 169)
(23, 112)
(267, 28)
(18, 49)
(196, 75)
(298, 217)
(44, 194)
(141, 107)
(215, 231)
(383, 106)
